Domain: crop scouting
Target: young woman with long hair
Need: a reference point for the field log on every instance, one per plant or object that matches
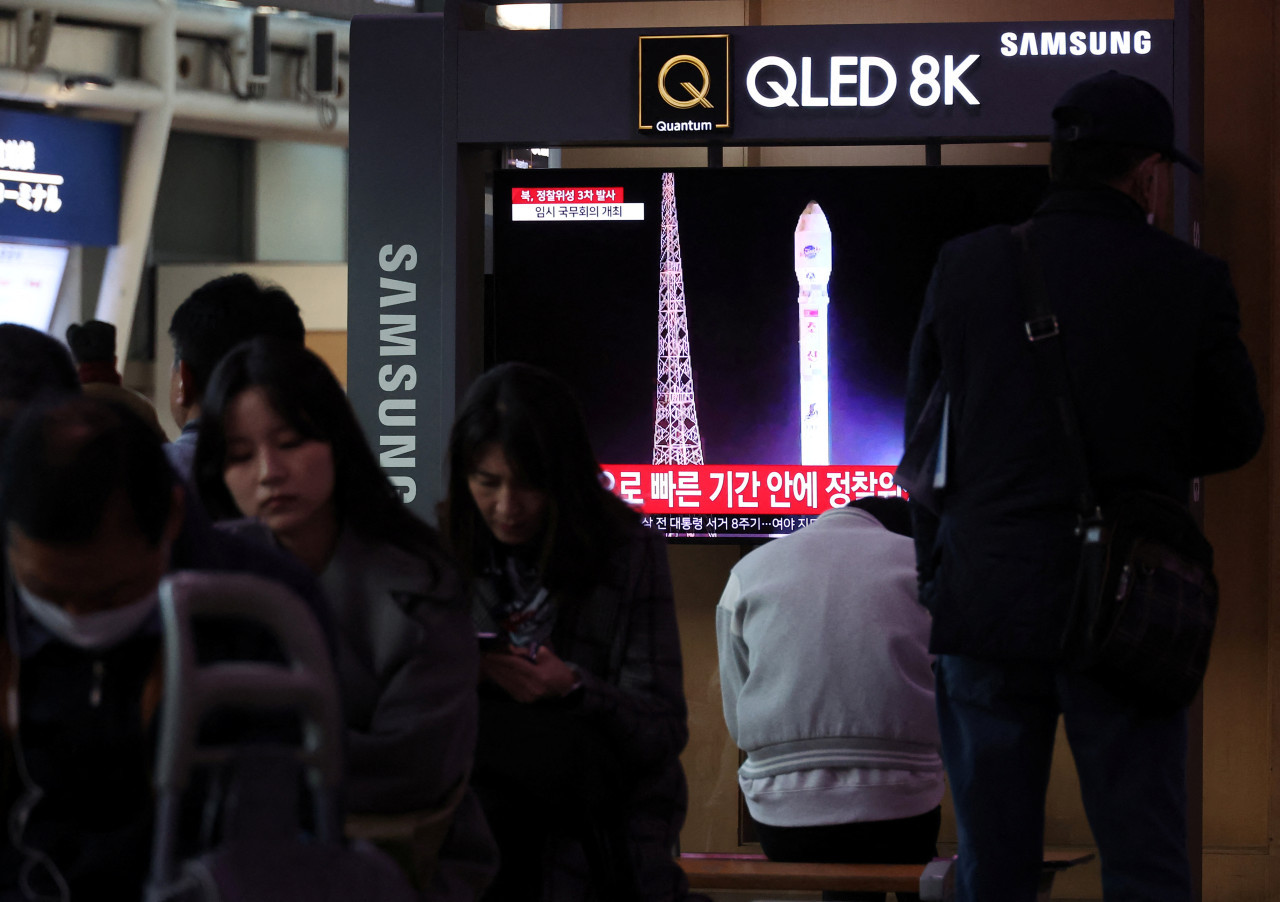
(279, 442)
(582, 710)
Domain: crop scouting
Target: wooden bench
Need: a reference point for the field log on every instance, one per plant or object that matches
(934, 881)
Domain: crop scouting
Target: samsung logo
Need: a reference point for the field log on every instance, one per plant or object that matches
(1075, 43)
(397, 337)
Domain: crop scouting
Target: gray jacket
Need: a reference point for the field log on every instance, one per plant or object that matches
(407, 666)
(826, 677)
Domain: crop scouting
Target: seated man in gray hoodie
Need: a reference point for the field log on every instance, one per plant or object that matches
(828, 688)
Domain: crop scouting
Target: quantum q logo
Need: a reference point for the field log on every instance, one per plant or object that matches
(684, 83)
(696, 95)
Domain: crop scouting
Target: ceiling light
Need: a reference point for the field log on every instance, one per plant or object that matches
(88, 82)
(524, 16)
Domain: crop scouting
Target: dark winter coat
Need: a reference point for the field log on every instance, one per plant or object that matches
(1163, 386)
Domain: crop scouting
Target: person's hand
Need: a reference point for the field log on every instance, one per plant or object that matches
(528, 680)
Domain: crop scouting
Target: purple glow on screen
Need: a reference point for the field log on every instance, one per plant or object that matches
(581, 298)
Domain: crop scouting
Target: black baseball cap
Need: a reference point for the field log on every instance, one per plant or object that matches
(1113, 108)
(95, 340)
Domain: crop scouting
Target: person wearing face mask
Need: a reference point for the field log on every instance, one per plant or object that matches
(1147, 331)
(582, 715)
(280, 443)
(92, 518)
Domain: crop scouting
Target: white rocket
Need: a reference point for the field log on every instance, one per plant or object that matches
(813, 270)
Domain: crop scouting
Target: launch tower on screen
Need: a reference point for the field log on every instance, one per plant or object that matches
(675, 430)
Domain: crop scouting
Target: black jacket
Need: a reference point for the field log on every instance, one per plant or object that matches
(1164, 392)
(88, 733)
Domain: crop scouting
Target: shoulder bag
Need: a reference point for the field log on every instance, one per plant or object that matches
(1145, 598)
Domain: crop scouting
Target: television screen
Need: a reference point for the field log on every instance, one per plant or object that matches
(30, 277)
(738, 338)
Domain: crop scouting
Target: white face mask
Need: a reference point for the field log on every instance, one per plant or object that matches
(91, 632)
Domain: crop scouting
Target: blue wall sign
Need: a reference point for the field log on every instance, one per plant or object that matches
(59, 179)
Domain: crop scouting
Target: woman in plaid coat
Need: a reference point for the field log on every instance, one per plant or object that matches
(582, 711)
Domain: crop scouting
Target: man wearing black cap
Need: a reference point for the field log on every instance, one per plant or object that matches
(1164, 391)
(93, 344)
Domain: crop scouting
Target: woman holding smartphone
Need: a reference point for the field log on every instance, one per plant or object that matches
(582, 711)
(280, 443)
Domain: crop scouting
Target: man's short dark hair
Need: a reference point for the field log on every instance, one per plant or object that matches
(894, 514)
(65, 460)
(32, 364)
(1092, 162)
(92, 342)
(224, 312)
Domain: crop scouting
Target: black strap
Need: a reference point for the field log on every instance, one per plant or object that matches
(1042, 331)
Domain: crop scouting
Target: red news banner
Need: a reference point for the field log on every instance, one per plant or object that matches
(566, 195)
(746, 490)
(571, 204)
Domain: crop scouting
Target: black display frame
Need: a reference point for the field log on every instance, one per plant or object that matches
(437, 97)
(434, 100)
(578, 296)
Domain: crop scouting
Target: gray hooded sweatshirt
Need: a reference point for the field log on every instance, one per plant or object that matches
(826, 677)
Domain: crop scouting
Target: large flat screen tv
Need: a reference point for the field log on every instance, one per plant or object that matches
(784, 311)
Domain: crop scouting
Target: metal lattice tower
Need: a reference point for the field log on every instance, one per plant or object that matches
(676, 439)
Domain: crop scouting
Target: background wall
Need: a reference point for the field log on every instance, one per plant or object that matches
(226, 202)
(301, 202)
(1241, 792)
(1241, 743)
(274, 209)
